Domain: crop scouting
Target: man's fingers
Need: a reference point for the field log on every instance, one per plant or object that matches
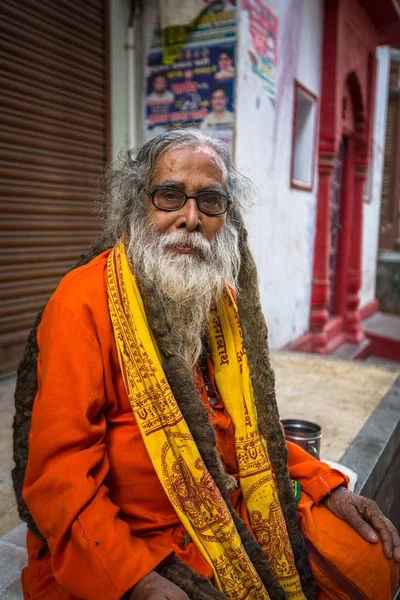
(154, 586)
(360, 513)
(387, 531)
(359, 524)
(394, 540)
(396, 549)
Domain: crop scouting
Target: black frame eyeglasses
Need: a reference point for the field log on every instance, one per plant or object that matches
(212, 204)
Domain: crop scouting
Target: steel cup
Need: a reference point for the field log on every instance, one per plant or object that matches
(305, 434)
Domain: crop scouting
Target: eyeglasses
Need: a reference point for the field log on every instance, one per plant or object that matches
(170, 199)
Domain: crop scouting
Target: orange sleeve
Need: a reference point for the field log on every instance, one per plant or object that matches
(93, 554)
(316, 478)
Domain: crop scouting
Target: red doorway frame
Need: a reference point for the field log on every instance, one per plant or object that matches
(348, 71)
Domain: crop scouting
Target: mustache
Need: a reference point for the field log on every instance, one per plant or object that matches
(194, 240)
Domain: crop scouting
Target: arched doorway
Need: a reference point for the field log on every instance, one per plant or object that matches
(352, 32)
(337, 257)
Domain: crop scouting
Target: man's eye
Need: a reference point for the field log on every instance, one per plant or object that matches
(210, 199)
(169, 195)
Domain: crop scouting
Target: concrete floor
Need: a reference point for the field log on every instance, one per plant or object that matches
(339, 395)
(8, 513)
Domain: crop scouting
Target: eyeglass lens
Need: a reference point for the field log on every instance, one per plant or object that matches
(210, 203)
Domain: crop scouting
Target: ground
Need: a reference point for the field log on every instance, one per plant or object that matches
(339, 395)
(8, 513)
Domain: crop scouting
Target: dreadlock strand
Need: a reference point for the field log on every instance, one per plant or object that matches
(24, 397)
(255, 338)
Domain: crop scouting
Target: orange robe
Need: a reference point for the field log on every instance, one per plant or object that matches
(90, 484)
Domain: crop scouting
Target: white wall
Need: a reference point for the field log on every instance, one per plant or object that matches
(120, 126)
(371, 212)
(282, 226)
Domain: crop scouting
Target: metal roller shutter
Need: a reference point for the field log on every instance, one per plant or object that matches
(53, 139)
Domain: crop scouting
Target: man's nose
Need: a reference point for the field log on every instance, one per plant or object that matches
(189, 216)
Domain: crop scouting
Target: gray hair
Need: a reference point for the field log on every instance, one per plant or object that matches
(131, 177)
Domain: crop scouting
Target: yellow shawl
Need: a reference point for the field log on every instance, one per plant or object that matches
(174, 454)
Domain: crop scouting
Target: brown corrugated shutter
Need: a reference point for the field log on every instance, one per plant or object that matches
(53, 124)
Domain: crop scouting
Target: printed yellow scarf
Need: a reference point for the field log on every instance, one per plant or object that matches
(174, 454)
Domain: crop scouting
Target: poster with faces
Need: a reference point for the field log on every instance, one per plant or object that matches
(199, 86)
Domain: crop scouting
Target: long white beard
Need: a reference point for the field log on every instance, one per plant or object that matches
(187, 285)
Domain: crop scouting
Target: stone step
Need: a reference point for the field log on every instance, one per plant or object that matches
(383, 325)
(383, 333)
(351, 351)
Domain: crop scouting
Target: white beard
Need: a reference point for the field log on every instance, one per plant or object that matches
(187, 285)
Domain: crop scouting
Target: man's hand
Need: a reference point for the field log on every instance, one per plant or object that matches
(359, 512)
(155, 587)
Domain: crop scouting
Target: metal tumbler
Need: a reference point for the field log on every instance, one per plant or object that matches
(305, 434)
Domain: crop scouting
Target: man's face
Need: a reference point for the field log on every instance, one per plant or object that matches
(192, 170)
(219, 100)
(224, 62)
(188, 74)
(160, 84)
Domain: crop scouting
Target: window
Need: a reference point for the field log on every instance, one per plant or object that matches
(304, 137)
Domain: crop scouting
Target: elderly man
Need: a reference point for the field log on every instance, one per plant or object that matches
(157, 467)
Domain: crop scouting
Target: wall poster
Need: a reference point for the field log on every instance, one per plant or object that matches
(263, 53)
(199, 86)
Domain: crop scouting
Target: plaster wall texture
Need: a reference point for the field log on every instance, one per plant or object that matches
(282, 224)
(371, 209)
(119, 16)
